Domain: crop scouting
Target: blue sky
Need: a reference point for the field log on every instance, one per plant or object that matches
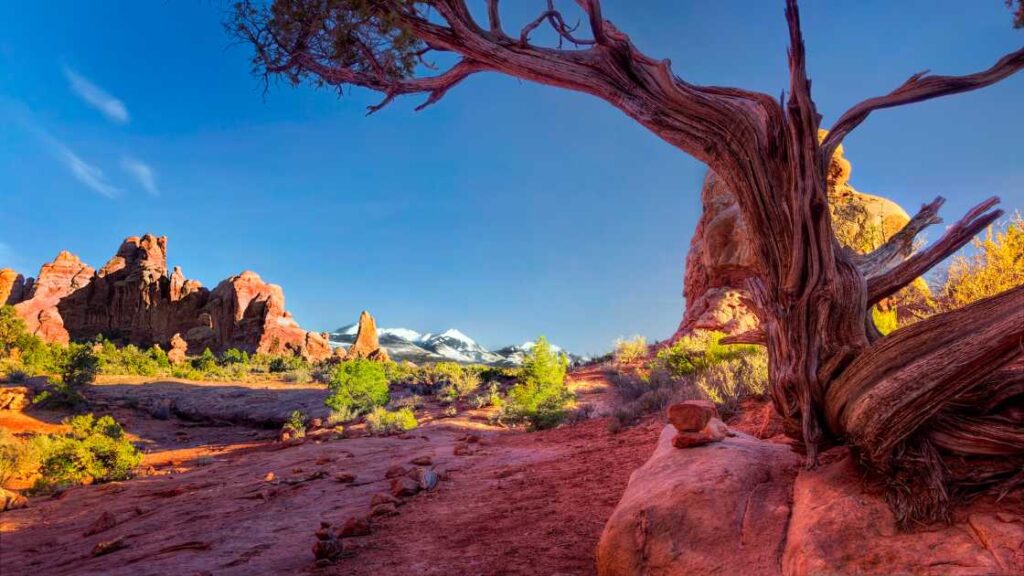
(508, 210)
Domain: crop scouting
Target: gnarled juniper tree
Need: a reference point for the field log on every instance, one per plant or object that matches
(936, 409)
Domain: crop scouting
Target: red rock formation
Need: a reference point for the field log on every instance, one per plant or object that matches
(179, 348)
(366, 344)
(744, 506)
(244, 310)
(57, 280)
(721, 258)
(133, 299)
(12, 287)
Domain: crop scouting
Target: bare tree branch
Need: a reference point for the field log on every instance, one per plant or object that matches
(755, 336)
(889, 282)
(918, 88)
(901, 244)
(494, 17)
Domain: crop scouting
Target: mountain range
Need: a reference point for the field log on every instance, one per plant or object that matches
(450, 345)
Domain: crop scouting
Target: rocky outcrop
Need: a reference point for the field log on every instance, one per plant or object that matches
(133, 299)
(745, 506)
(367, 345)
(718, 509)
(57, 280)
(839, 528)
(179, 350)
(721, 254)
(12, 287)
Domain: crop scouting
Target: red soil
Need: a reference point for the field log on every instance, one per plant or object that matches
(527, 504)
(519, 503)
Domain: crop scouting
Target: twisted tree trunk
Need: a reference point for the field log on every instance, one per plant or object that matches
(930, 407)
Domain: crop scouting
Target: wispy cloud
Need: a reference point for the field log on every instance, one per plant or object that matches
(142, 172)
(97, 97)
(89, 175)
(7, 256)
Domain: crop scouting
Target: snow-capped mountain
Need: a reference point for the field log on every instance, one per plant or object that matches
(516, 353)
(450, 345)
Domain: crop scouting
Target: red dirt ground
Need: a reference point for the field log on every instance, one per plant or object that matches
(520, 503)
(529, 504)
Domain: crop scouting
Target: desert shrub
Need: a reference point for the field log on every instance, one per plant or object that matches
(301, 375)
(159, 356)
(234, 356)
(698, 366)
(996, 266)
(280, 364)
(630, 351)
(454, 381)
(401, 371)
(93, 450)
(414, 401)
(206, 362)
(338, 417)
(885, 320)
(16, 458)
(382, 422)
(21, 352)
(358, 386)
(540, 397)
(642, 392)
(296, 422)
(12, 330)
(78, 368)
(730, 381)
(129, 360)
(699, 351)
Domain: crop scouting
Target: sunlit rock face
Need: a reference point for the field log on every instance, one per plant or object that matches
(134, 299)
(721, 255)
(747, 506)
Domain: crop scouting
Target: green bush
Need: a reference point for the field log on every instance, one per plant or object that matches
(700, 351)
(540, 397)
(129, 360)
(382, 422)
(456, 382)
(78, 369)
(12, 330)
(16, 458)
(730, 381)
(205, 363)
(81, 367)
(296, 423)
(234, 356)
(401, 371)
(358, 386)
(94, 450)
(630, 351)
(695, 367)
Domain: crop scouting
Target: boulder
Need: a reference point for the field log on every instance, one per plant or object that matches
(717, 509)
(745, 506)
(691, 415)
(714, 431)
(721, 256)
(404, 486)
(366, 345)
(11, 500)
(178, 351)
(839, 528)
